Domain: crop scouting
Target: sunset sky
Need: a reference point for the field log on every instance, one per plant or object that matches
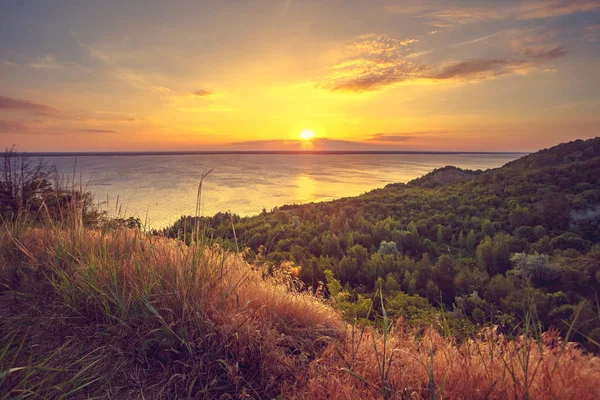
(247, 75)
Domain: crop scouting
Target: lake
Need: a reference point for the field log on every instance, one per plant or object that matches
(161, 188)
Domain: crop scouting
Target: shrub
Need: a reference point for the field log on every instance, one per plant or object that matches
(537, 268)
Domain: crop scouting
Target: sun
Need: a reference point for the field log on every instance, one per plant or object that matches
(307, 134)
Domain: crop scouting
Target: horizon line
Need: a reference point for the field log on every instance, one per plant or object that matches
(251, 152)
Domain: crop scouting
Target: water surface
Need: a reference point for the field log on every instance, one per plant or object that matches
(161, 188)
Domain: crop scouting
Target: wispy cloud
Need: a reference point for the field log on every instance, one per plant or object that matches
(390, 137)
(449, 18)
(373, 44)
(137, 80)
(202, 93)
(480, 39)
(446, 16)
(556, 8)
(10, 103)
(415, 136)
(372, 62)
(94, 130)
(41, 128)
(12, 125)
(441, 14)
(114, 116)
(480, 69)
(117, 62)
(591, 33)
(265, 142)
(460, 44)
(47, 61)
(550, 54)
(112, 61)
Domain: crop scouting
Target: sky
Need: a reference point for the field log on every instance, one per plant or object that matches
(252, 75)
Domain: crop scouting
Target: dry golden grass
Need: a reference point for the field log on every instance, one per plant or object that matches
(168, 320)
(121, 314)
(426, 366)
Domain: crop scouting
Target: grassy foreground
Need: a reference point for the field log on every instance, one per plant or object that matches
(88, 313)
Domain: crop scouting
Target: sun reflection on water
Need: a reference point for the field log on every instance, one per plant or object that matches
(306, 187)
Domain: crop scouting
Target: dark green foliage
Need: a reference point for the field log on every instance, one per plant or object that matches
(451, 242)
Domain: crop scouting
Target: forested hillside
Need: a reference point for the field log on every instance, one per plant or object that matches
(486, 247)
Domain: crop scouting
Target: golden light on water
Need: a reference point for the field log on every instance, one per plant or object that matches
(306, 187)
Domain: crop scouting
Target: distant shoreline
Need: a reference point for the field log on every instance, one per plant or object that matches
(256, 152)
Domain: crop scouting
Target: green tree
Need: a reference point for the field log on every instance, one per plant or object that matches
(315, 247)
(359, 253)
(331, 245)
(443, 275)
(471, 240)
(333, 285)
(501, 250)
(554, 210)
(487, 227)
(499, 288)
(462, 242)
(485, 255)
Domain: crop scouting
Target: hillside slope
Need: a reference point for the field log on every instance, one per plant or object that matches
(121, 315)
(482, 247)
(578, 150)
(444, 176)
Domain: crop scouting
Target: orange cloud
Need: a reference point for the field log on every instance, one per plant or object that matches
(537, 43)
(389, 137)
(550, 54)
(28, 106)
(91, 130)
(12, 125)
(480, 69)
(202, 93)
(373, 62)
